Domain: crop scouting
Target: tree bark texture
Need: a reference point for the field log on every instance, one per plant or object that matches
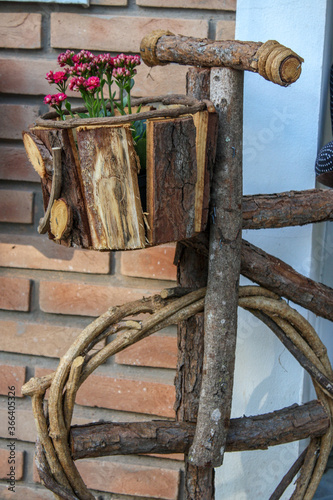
(292, 208)
(277, 276)
(192, 269)
(223, 274)
(180, 156)
(274, 274)
(247, 433)
(272, 60)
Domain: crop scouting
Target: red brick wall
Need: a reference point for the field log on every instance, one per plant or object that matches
(49, 293)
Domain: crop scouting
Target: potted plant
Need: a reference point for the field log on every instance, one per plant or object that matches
(89, 158)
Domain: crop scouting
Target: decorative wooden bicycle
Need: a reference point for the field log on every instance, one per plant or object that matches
(203, 430)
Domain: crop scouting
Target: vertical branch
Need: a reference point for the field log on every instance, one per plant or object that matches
(192, 272)
(208, 447)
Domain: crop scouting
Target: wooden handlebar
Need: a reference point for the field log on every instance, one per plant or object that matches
(271, 60)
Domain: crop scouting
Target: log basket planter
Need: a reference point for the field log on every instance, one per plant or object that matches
(89, 175)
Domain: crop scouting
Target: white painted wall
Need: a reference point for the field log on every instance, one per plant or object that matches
(281, 136)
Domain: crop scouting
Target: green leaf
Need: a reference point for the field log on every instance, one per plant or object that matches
(141, 149)
(118, 106)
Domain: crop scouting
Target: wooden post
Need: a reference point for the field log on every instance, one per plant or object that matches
(192, 272)
(226, 93)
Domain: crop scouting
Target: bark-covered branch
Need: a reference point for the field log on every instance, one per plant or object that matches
(221, 300)
(247, 433)
(274, 274)
(271, 60)
(291, 208)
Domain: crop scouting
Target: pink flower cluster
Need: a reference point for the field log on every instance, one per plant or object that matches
(79, 83)
(123, 66)
(57, 77)
(55, 99)
(88, 74)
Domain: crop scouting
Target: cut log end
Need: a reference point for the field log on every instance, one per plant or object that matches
(61, 219)
(290, 69)
(34, 155)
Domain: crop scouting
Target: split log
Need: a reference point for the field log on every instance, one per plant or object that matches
(221, 300)
(110, 185)
(271, 60)
(180, 155)
(170, 186)
(247, 433)
(291, 208)
(38, 154)
(192, 269)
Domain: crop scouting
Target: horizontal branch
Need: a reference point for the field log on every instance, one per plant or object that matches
(277, 276)
(247, 433)
(291, 208)
(274, 274)
(271, 60)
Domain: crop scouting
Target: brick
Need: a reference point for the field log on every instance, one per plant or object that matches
(82, 299)
(160, 80)
(25, 493)
(35, 338)
(38, 252)
(156, 263)
(15, 118)
(25, 424)
(114, 3)
(11, 376)
(125, 394)
(225, 30)
(16, 206)
(110, 33)
(20, 30)
(5, 466)
(32, 73)
(25, 428)
(14, 294)
(189, 4)
(15, 166)
(155, 351)
(125, 479)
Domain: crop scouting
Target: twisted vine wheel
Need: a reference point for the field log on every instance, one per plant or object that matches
(55, 463)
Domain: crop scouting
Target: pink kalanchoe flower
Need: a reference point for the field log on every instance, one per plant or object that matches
(61, 97)
(77, 83)
(48, 99)
(55, 99)
(60, 76)
(49, 77)
(93, 83)
(83, 56)
(66, 58)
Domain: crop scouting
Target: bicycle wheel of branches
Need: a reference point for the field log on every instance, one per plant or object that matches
(54, 461)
